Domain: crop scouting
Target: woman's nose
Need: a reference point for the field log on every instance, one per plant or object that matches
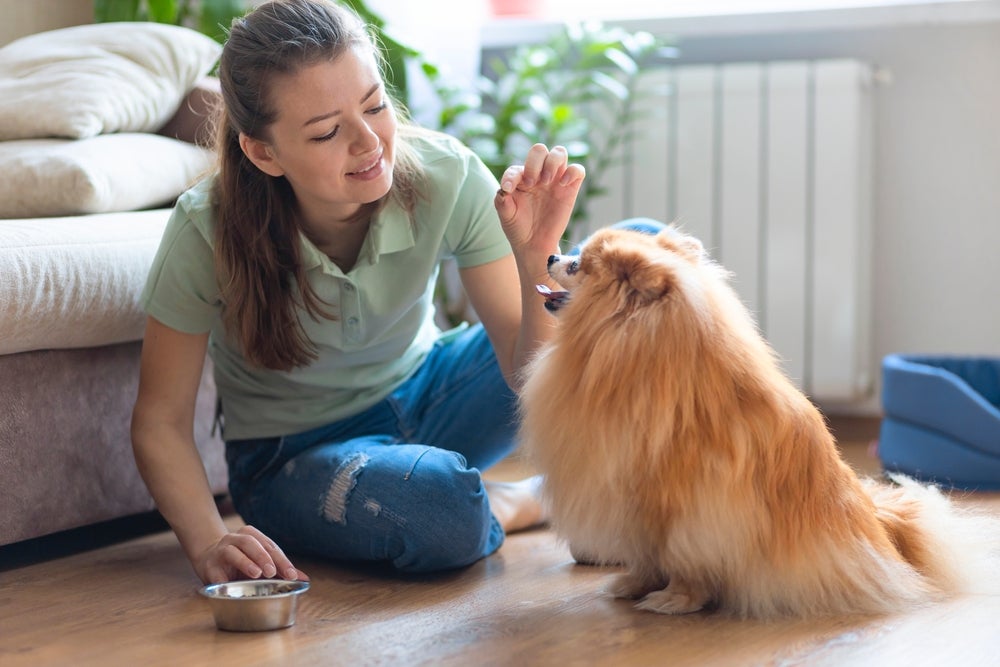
(365, 140)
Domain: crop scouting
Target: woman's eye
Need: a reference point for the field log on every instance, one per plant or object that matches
(327, 136)
(330, 135)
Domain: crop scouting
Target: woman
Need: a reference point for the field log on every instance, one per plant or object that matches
(306, 266)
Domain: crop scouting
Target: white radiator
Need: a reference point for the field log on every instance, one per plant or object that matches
(769, 164)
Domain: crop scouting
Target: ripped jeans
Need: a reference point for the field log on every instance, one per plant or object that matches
(398, 482)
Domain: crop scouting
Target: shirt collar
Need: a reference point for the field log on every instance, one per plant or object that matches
(391, 231)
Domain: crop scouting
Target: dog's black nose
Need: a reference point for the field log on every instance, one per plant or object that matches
(553, 259)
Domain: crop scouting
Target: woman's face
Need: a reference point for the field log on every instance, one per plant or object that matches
(333, 137)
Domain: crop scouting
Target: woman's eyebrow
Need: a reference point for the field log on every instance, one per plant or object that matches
(316, 119)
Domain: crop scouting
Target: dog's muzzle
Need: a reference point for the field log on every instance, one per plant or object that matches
(554, 299)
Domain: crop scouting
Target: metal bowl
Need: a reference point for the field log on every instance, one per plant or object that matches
(250, 606)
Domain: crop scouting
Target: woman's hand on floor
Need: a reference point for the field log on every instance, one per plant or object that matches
(246, 553)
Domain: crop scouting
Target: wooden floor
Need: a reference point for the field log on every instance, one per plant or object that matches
(135, 603)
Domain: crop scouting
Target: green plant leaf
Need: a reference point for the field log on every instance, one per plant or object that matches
(540, 104)
(622, 60)
(162, 11)
(430, 70)
(116, 10)
(578, 149)
(611, 85)
(362, 10)
(540, 58)
(217, 16)
(562, 113)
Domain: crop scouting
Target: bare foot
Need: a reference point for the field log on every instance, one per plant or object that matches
(517, 505)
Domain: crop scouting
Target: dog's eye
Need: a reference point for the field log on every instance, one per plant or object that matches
(573, 267)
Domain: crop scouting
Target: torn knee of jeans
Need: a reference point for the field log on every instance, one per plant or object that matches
(335, 502)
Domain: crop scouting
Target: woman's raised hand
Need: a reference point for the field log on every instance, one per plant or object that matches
(536, 199)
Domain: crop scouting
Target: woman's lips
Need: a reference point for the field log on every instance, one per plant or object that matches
(373, 170)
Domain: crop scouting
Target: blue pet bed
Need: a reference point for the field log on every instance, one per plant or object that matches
(941, 420)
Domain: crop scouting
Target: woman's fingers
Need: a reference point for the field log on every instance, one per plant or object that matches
(236, 557)
(511, 178)
(248, 553)
(554, 165)
(574, 173)
(533, 163)
(278, 559)
(542, 166)
(216, 574)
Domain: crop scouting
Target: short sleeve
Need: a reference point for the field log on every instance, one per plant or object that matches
(181, 290)
(474, 235)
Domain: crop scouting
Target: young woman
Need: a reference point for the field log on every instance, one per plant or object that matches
(305, 266)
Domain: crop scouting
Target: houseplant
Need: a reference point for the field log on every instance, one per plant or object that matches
(580, 88)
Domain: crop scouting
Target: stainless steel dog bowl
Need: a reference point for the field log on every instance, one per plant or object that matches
(250, 606)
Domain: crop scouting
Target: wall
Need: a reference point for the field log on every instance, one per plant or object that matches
(451, 41)
(26, 17)
(937, 163)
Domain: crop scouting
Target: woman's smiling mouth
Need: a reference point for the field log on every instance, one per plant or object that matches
(370, 171)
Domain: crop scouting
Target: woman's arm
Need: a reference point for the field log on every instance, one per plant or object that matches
(534, 203)
(168, 460)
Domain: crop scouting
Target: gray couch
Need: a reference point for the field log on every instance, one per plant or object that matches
(65, 451)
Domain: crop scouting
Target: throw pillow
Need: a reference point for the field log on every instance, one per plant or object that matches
(111, 172)
(93, 79)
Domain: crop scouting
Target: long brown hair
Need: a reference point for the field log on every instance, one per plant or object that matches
(257, 249)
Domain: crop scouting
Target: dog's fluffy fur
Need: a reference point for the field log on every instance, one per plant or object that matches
(671, 442)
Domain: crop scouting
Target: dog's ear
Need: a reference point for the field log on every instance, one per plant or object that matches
(648, 278)
(676, 241)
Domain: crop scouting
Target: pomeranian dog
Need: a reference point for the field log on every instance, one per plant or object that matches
(671, 442)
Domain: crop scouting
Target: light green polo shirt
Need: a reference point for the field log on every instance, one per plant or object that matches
(385, 325)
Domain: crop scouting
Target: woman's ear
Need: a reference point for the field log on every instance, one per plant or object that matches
(261, 155)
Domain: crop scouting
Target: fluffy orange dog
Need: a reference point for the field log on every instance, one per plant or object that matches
(672, 443)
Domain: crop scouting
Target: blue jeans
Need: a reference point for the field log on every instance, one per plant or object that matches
(372, 487)
(399, 482)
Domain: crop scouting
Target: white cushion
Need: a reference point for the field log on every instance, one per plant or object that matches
(111, 172)
(75, 282)
(92, 79)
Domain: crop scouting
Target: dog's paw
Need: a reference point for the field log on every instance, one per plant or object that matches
(674, 599)
(632, 586)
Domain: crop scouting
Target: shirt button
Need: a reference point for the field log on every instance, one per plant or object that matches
(352, 321)
(349, 287)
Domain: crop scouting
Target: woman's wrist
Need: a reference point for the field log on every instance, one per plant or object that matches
(199, 532)
(532, 266)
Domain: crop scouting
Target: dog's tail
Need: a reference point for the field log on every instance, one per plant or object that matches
(954, 549)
